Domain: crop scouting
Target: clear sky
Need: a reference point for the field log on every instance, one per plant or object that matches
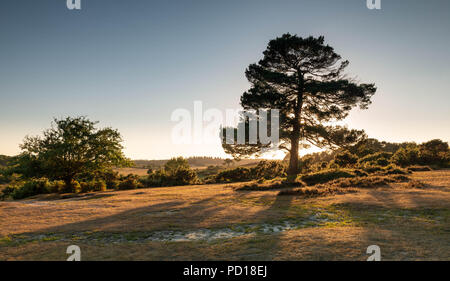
(130, 64)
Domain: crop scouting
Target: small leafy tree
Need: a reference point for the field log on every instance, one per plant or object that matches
(228, 162)
(70, 148)
(175, 164)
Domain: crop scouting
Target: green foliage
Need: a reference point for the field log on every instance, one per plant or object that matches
(345, 159)
(32, 187)
(183, 177)
(326, 176)
(130, 182)
(3, 178)
(179, 176)
(175, 164)
(434, 152)
(176, 172)
(406, 156)
(263, 170)
(94, 185)
(372, 146)
(110, 177)
(418, 168)
(268, 170)
(304, 79)
(378, 158)
(72, 147)
(73, 187)
(234, 175)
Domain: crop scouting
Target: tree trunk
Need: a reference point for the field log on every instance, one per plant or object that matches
(68, 185)
(295, 138)
(293, 161)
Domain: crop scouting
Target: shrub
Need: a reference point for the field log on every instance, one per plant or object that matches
(94, 185)
(175, 164)
(366, 182)
(3, 178)
(113, 184)
(315, 192)
(326, 176)
(234, 175)
(419, 168)
(7, 191)
(434, 152)
(181, 176)
(73, 187)
(130, 182)
(184, 177)
(386, 170)
(406, 156)
(372, 169)
(57, 186)
(392, 170)
(268, 185)
(30, 188)
(268, 170)
(376, 158)
(111, 178)
(345, 159)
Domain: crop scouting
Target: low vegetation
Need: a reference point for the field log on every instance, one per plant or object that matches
(368, 163)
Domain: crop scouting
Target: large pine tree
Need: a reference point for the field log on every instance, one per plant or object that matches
(303, 78)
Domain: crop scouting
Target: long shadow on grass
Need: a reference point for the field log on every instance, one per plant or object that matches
(164, 216)
(277, 209)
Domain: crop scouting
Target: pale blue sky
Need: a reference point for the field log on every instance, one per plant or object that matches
(129, 64)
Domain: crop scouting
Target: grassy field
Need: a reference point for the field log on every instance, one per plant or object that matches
(215, 222)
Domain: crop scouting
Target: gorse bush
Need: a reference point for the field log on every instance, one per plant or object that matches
(406, 156)
(376, 159)
(326, 176)
(419, 168)
(268, 170)
(265, 169)
(176, 172)
(111, 178)
(129, 182)
(375, 156)
(33, 187)
(94, 185)
(178, 177)
(234, 175)
(175, 164)
(345, 159)
(434, 152)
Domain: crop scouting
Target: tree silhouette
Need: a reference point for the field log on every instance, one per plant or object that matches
(303, 78)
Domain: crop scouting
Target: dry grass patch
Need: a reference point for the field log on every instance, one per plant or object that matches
(408, 223)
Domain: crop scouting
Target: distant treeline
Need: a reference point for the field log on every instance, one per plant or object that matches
(194, 162)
